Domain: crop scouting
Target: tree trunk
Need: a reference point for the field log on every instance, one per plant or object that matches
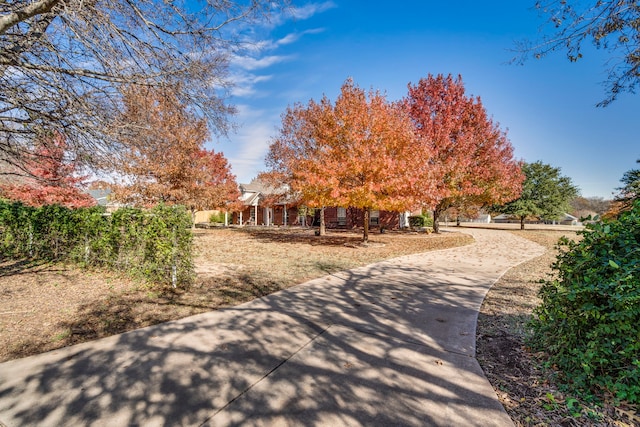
(522, 222)
(436, 218)
(323, 230)
(458, 221)
(365, 236)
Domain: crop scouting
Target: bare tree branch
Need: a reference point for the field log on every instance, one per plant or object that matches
(612, 25)
(28, 11)
(63, 64)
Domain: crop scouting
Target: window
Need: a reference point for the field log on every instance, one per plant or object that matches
(374, 218)
(342, 216)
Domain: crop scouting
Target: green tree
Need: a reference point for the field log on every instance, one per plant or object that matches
(546, 194)
(631, 189)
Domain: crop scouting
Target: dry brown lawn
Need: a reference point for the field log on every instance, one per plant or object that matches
(44, 307)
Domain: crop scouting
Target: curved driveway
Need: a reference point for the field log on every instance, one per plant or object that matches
(392, 343)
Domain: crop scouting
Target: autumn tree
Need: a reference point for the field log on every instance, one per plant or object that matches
(51, 179)
(63, 64)
(546, 194)
(465, 159)
(583, 207)
(166, 161)
(355, 152)
(609, 25)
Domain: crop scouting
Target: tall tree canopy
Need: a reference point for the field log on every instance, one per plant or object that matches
(356, 152)
(464, 158)
(628, 193)
(63, 64)
(165, 159)
(613, 25)
(52, 178)
(546, 193)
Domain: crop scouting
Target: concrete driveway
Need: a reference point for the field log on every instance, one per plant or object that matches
(392, 343)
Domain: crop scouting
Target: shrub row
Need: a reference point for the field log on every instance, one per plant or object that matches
(589, 319)
(155, 245)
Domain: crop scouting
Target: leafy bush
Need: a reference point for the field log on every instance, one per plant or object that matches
(168, 241)
(589, 319)
(155, 244)
(417, 221)
(217, 217)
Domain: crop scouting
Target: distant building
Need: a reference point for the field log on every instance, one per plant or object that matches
(102, 197)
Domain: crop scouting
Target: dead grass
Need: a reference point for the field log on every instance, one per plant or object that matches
(44, 307)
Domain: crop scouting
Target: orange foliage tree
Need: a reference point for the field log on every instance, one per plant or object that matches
(50, 178)
(468, 160)
(166, 161)
(354, 153)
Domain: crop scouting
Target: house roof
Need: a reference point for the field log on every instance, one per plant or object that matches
(258, 186)
(252, 193)
(101, 196)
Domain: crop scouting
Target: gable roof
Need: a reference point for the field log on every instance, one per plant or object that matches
(252, 193)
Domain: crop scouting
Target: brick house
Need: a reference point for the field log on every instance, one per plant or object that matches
(266, 205)
(340, 217)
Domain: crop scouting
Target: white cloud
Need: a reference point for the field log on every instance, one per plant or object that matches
(244, 84)
(247, 147)
(299, 13)
(294, 37)
(243, 80)
(307, 11)
(251, 145)
(288, 39)
(250, 63)
(254, 57)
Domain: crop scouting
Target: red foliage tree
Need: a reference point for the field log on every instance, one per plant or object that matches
(468, 161)
(50, 177)
(166, 161)
(354, 153)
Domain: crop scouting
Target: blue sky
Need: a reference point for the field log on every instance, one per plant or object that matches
(547, 105)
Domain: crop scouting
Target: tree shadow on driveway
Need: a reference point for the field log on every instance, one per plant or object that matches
(388, 344)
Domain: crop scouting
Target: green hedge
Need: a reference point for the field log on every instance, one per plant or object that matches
(589, 319)
(417, 221)
(155, 245)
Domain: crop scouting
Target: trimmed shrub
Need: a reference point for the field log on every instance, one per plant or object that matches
(155, 244)
(217, 217)
(589, 319)
(167, 238)
(418, 221)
